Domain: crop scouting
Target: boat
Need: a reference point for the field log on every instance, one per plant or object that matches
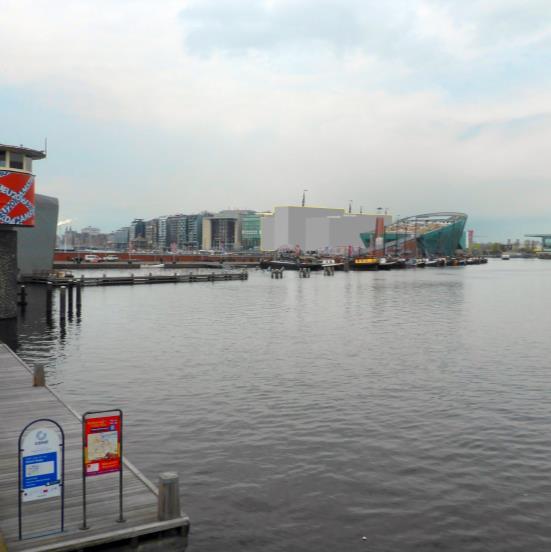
(389, 263)
(366, 263)
(330, 262)
(441, 261)
(505, 256)
(292, 262)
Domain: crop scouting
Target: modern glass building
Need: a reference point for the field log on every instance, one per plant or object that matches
(250, 232)
(426, 235)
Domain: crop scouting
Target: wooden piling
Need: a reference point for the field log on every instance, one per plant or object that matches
(22, 296)
(49, 292)
(70, 298)
(39, 378)
(62, 302)
(168, 506)
(79, 295)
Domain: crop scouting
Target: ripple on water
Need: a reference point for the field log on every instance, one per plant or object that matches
(408, 407)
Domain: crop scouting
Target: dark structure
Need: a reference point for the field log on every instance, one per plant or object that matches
(17, 210)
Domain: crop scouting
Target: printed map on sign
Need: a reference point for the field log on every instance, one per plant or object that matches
(103, 446)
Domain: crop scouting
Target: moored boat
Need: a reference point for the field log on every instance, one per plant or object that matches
(366, 263)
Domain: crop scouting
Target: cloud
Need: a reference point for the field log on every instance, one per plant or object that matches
(237, 26)
(415, 105)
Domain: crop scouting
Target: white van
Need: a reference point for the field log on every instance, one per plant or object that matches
(92, 258)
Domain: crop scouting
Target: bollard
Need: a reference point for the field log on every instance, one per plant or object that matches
(62, 297)
(79, 295)
(168, 500)
(39, 378)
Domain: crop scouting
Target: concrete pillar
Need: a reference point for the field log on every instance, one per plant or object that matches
(8, 273)
(168, 506)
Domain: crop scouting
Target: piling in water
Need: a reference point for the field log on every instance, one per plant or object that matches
(79, 296)
(22, 296)
(62, 302)
(70, 298)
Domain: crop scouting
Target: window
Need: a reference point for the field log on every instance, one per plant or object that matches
(2, 158)
(16, 160)
(28, 164)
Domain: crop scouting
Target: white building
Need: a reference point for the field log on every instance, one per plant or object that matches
(339, 232)
(314, 228)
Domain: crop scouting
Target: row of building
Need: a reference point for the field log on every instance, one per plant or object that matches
(310, 228)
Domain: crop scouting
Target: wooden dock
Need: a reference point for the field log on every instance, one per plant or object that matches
(136, 279)
(20, 403)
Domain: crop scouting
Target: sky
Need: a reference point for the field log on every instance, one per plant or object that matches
(154, 108)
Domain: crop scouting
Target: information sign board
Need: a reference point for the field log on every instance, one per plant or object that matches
(40, 464)
(102, 445)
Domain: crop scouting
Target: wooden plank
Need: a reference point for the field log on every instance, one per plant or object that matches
(20, 403)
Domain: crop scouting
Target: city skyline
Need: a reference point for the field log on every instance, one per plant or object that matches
(418, 106)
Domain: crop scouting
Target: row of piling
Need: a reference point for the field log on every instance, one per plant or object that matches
(276, 273)
(67, 294)
(329, 271)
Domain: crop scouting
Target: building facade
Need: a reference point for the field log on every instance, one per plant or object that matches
(250, 232)
(120, 238)
(313, 228)
(222, 231)
(36, 245)
(427, 235)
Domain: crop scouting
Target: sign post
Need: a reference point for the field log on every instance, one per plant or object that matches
(41, 465)
(101, 450)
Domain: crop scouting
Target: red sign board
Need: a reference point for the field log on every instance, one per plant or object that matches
(102, 445)
(16, 198)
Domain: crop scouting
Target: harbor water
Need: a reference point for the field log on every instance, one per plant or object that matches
(382, 411)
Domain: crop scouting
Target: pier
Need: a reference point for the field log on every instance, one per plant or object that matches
(133, 279)
(151, 521)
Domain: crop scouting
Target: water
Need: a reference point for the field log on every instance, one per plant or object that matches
(409, 407)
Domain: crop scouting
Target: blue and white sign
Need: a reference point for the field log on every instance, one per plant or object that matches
(40, 469)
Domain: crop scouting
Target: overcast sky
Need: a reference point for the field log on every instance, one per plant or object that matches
(153, 108)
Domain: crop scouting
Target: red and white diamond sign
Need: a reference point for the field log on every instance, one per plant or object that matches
(16, 199)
